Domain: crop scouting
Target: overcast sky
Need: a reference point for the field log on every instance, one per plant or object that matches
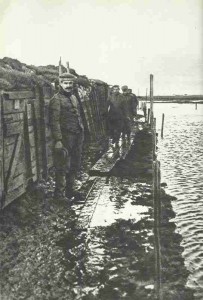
(118, 41)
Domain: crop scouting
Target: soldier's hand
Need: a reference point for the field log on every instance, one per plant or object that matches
(58, 145)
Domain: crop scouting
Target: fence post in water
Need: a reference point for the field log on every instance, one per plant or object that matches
(151, 98)
(162, 126)
(157, 222)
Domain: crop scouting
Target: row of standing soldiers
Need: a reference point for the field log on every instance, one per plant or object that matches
(66, 124)
(122, 108)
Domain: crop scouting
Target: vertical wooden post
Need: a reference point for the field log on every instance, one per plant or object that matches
(60, 67)
(28, 168)
(154, 137)
(42, 130)
(37, 133)
(157, 222)
(151, 97)
(196, 105)
(148, 116)
(159, 191)
(30, 146)
(67, 67)
(162, 126)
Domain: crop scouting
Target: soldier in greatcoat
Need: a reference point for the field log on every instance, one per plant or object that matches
(134, 102)
(115, 116)
(68, 135)
(126, 101)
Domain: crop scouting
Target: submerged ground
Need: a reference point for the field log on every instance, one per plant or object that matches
(46, 254)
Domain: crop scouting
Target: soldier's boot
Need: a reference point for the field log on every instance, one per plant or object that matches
(59, 193)
(71, 190)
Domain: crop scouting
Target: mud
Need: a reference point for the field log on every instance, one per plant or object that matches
(44, 255)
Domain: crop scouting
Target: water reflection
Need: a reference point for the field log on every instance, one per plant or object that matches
(119, 261)
(112, 207)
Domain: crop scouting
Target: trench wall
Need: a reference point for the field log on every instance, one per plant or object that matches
(25, 137)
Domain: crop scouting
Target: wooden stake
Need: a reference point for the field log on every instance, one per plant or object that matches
(195, 105)
(148, 116)
(67, 67)
(157, 222)
(162, 126)
(60, 67)
(151, 98)
(154, 137)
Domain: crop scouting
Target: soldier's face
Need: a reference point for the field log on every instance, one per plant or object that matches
(67, 85)
(116, 90)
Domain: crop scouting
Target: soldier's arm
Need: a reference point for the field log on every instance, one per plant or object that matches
(54, 111)
(136, 100)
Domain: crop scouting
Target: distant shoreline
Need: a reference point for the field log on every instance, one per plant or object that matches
(176, 99)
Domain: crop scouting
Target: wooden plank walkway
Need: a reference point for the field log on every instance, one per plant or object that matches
(98, 179)
(114, 154)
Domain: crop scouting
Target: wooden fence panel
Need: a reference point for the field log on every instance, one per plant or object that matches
(41, 131)
(19, 149)
(48, 137)
(30, 147)
(17, 95)
(89, 117)
(94, 113)
(37, 136)
(13, 141)
(25, 137)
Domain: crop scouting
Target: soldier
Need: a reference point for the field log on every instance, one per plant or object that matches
(68, 135)
(134, 103)
(115, 119)
(126, 101)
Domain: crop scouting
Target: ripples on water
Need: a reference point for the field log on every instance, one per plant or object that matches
(181, 157)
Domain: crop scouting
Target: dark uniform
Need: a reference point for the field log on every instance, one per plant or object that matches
(66, 126)
(126, 105)
(115, 116)
(134, 103)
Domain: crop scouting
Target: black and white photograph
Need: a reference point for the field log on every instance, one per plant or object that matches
(101, 150)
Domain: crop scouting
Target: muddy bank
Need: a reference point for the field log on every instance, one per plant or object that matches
(45, 256)
(31, 228)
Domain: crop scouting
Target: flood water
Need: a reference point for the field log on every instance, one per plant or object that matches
(181, 155)
(105, 249)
